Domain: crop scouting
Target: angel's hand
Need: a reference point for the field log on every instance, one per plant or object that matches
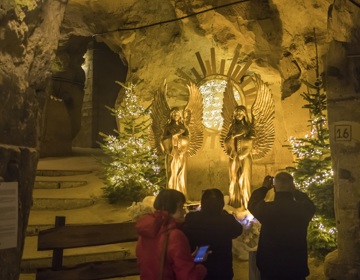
(241, 157)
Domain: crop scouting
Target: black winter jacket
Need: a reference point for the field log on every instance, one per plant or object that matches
(282, 248)
(216, 230)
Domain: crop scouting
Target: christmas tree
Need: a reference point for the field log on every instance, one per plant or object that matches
(131, 170)
(313, 168)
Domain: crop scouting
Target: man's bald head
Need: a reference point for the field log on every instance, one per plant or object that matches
(284, 182)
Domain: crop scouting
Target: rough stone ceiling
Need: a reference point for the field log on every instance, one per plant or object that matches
(276, 35)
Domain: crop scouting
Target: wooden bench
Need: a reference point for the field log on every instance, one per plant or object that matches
(75, 236)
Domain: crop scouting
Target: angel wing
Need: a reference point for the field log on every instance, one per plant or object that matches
(193, 119)
(229, 105)
(262, 110)
(160, 113)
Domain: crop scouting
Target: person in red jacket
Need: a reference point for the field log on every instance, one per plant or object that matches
(163, 251)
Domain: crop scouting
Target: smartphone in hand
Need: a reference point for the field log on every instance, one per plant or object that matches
(201, 253)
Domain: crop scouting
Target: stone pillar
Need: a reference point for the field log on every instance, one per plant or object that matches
(85, 136)
(29, 35)
(343, 90)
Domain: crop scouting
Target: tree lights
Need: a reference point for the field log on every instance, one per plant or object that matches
(131, 170)
(313, 170)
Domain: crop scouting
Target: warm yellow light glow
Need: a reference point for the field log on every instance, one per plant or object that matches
(212, 91)
(87, 60)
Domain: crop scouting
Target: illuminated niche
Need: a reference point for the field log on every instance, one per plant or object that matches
(212, 80)
(212, 91)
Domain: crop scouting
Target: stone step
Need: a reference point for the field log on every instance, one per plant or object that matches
(74, 186)
(61, 203)
(60, 173)
(33, 230)
(58, 184)
(61, 189)
(100, 212)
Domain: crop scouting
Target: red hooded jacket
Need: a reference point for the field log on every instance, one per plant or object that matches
(179, 264)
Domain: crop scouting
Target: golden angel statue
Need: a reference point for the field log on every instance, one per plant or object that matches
(177, 133)
(246, 137)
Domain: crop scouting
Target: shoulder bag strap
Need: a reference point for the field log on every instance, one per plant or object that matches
(163, 255)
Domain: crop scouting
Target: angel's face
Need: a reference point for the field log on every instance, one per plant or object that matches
(239, 114)
(176, 115)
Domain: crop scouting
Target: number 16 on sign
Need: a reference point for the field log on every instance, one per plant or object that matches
(342, 132)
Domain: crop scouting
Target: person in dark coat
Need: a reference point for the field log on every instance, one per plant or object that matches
(282, 249)
(215, 227)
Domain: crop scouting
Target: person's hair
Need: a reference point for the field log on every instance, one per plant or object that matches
(168, 200)
(212, 201)
(284, 182)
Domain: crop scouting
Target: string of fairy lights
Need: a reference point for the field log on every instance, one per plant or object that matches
(318, 149)
(130, 105)
(128, 149)
(322, 227)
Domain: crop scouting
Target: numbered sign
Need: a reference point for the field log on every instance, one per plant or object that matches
(343, 132)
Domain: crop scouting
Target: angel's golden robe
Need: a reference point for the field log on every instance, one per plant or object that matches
(175, 144)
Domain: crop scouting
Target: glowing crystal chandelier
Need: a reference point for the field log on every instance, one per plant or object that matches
(212, 91)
